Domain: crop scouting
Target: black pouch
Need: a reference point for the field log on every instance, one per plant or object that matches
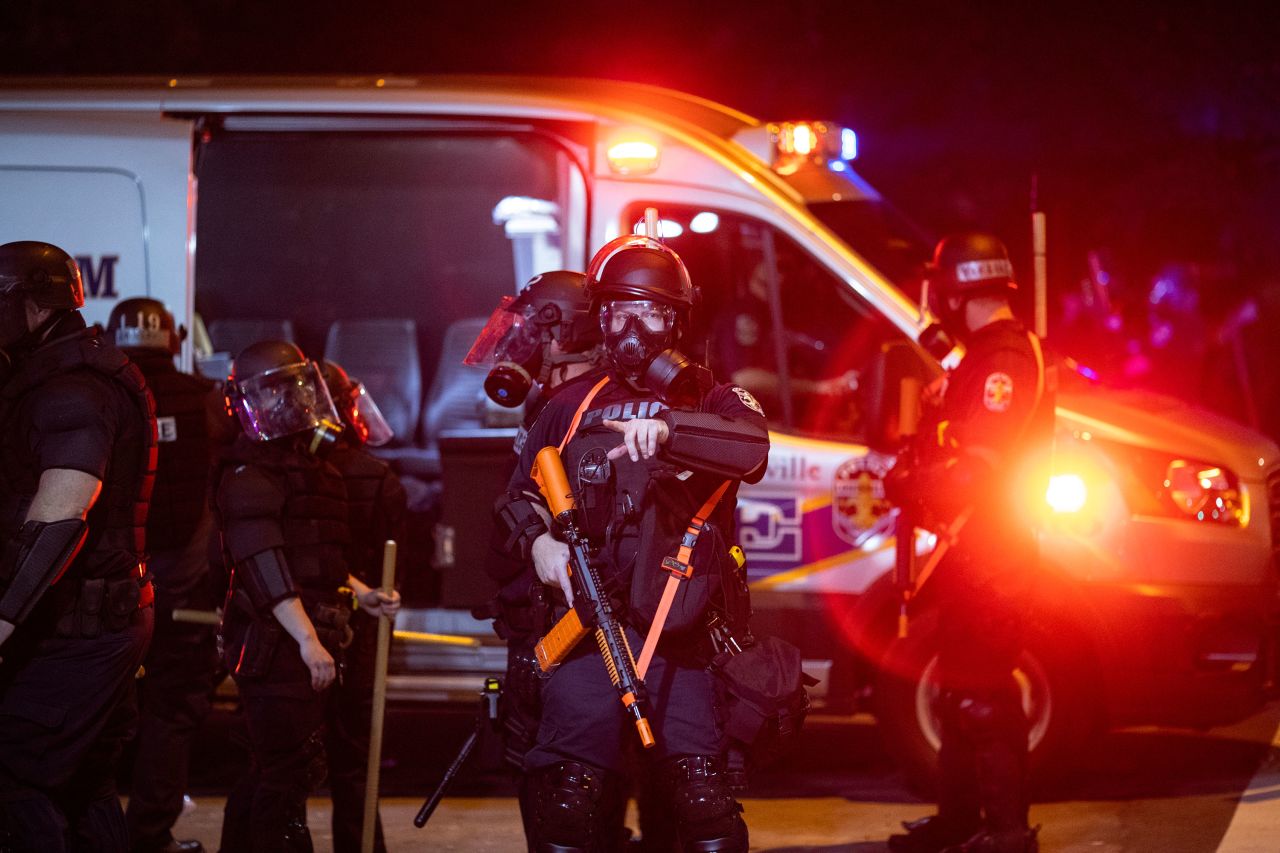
(261, 640)
(88, 608)
(122, 603)
(763, 696)
(658, 549)
(332, 624)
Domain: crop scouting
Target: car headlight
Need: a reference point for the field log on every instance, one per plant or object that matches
(1205, 492)
(1159, 484)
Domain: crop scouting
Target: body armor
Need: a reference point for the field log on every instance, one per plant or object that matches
(313, 521)
(375, 507)
(117, 522)
(183, 451)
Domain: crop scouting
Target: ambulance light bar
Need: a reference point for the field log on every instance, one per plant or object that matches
(801, 143)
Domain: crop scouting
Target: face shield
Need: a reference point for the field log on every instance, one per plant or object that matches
(285, 401)
(365, 418)
(514, 348)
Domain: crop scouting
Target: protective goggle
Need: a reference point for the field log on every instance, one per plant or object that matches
(656, 317)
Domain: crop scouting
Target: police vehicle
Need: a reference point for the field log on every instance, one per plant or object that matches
(376, 221)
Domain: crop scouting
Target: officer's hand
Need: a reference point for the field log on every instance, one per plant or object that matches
(6, 631)
(640, 437)
(320, 662)
(375, 602)
(551, 561)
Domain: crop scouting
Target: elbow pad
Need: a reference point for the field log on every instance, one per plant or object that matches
(517, 524)
(726, 447)
(35, 561)
(265, 578)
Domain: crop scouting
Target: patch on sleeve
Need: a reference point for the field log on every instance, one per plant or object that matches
(997, 393)
(749, 401)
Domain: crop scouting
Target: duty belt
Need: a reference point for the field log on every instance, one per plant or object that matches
(90, 607)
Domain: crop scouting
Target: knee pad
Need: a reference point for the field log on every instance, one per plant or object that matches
(565, 799)
(708, 816)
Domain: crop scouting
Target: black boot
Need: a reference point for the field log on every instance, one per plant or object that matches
(931, 834)
(1002, 841)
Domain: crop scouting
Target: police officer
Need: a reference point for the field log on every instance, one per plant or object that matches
(283, 515)
(648, 441)
(376, 510)
(174, 697)
(547, 337)
(993, 426)
(77, 456)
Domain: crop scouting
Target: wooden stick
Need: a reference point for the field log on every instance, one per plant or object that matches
(214, 617)
(379, 704)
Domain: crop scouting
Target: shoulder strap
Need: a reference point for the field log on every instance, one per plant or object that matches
(678, 569)
(573, 424)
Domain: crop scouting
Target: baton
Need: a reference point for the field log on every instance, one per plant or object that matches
(379, 704)
(214, 617)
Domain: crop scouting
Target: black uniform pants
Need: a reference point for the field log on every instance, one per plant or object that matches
(583, 719)
(67, 706)
(266, 812)
(348, 715)
(983, 756)
(174, 699)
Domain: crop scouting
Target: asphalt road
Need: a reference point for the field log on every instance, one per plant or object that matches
(1138, 791)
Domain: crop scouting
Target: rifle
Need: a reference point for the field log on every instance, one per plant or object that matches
(488, 715)
(591, 610)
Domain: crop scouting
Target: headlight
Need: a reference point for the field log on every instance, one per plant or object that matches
(1204, 492)
(1156, 483)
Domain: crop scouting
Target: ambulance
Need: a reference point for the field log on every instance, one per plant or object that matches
(377, 221)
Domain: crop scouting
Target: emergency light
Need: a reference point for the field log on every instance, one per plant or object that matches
(632, 155)
(802, 143)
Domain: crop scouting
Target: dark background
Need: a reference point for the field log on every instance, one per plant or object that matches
(1154, 128)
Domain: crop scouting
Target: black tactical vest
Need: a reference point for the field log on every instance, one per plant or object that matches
(117, 522)
(314, 519)
(365, 476)
(183, 451)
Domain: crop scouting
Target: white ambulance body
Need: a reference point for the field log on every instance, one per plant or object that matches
(378, 220)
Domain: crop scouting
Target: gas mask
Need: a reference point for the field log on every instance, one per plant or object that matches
(515, 344)
(635, 331)
(938, 338)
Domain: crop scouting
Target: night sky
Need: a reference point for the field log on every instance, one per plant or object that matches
(1155, 129)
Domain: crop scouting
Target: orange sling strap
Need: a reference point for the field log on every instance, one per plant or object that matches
(678, 568)
(573, 424)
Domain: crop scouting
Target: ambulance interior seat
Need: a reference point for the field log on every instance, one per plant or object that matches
(231, 335)
(455, 401)
(383, 354)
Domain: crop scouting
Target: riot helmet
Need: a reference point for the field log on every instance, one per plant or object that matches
(361, 417)
(517, 342)
(142, 323)
(642, 295)
(41, 272)
(276, 392)
(965, 266)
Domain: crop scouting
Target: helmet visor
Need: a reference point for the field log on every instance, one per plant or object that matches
(284, 401)
(655, 317)
(366, 418)
(484, 350)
